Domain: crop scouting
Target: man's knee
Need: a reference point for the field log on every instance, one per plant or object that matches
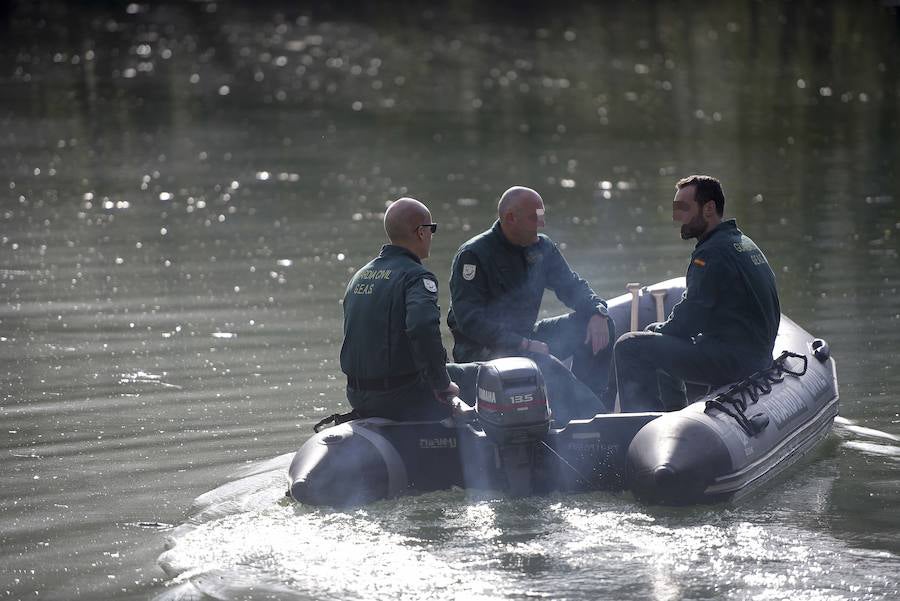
(465, 375)
(558, 331)
(631, 343)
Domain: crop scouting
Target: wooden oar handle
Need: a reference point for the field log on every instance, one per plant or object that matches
(635, 289)
(660, 296)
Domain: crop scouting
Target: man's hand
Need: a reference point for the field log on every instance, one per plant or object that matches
(597, 333)
(447, 395)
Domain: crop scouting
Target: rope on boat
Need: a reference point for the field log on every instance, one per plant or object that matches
(734, 401)
(337, 418)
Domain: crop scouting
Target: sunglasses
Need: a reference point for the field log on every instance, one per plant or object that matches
(433, 226)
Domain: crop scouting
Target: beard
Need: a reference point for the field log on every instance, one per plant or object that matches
(694, 228)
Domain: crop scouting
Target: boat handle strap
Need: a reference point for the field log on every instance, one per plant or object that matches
(337, 419)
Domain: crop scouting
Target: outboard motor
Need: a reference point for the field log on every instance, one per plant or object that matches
(514, 413)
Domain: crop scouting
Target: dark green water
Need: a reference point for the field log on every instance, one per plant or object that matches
(186, 188)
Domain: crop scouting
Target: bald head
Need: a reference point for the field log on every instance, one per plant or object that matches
(402, 221)
(403, 217)
(512, 199)
(521, 213)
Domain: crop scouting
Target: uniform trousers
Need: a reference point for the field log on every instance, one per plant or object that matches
(565, 336)
(652, 368)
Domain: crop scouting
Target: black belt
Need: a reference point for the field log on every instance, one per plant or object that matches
(381, 383)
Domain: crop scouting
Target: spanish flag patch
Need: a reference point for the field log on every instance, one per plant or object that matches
(699, 262)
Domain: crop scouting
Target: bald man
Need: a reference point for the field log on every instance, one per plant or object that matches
(392, 352)
(497, 282)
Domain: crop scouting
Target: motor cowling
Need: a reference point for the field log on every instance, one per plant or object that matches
(511, 402)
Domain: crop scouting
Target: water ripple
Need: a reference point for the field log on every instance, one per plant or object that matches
(142, 377)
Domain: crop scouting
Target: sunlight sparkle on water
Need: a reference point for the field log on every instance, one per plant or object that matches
(143, 377)
(317, 551)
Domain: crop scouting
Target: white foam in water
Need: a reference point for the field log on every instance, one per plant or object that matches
(245, 540)
(879, 449)
(871, 448)
(286, 551)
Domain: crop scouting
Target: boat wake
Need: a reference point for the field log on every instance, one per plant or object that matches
(246, 540)
(867, 440)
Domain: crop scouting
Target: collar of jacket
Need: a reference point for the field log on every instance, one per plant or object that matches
(727, 225)
(504, 241)
(392, 250)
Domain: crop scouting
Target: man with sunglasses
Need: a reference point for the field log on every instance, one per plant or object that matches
(392, 352)
(497, 282)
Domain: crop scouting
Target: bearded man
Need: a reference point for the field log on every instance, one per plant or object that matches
(723, 329)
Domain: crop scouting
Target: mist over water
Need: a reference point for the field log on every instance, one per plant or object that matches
(187, 187)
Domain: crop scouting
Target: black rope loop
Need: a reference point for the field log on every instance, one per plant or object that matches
(734, 401)
(779, 362)
(337, 419)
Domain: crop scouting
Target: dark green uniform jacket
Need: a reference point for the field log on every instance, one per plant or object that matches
(392, 322)
(731, 296)
(496, 289)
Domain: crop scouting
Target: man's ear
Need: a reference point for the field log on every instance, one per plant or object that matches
(709, 207)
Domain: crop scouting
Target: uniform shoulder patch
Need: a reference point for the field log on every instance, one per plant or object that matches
(699, 262)
(430, 285)
(468, 271)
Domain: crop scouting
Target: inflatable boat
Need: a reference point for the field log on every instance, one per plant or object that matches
(726, 443)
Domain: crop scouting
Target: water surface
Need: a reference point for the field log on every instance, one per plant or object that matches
(188, 186)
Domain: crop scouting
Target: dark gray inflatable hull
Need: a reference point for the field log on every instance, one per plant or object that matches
(701, 455)
(696, 455)
(370, 459)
